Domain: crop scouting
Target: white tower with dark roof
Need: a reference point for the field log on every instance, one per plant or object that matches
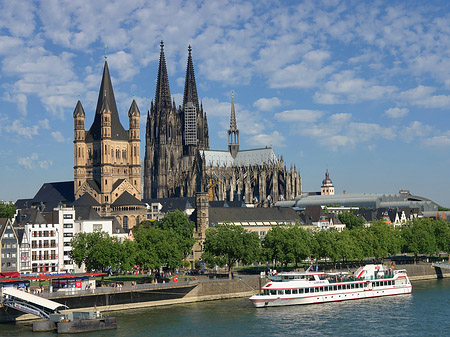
(327, 185)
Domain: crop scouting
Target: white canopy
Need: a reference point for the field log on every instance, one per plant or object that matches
(37, 300)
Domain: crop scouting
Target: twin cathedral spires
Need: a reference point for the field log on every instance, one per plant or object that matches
(173, 137)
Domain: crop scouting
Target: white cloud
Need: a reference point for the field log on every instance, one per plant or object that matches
(262, 139)
(57, 136)
(307, 116)
(267, 104)
(344, 87)
(396, 112)
(33, 161)
(25, 131)
(441, 141)
(414, 130)
(44, 124)
(423, 96)
(305, 74)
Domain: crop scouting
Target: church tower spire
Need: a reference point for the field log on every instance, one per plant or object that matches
(107, 102)
(190, 88)
(162, 95)
(233, 132)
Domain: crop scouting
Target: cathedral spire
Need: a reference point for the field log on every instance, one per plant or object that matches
(233, 125)
(190, 88)
(107, 100)
(233, 132)
(162, 95)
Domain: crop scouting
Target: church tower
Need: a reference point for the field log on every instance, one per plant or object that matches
(327, 187)
(163, 148)
(107, 157)
(233, 132)
(195, 125)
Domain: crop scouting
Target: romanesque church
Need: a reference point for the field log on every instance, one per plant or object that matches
(178, 161)
(107, 164)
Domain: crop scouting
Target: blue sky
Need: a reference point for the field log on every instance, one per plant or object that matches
(359, 87)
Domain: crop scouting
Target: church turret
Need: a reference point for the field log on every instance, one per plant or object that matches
(233, 132)
(327, 185)
(79, 144)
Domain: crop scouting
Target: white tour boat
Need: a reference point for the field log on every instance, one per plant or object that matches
(372, 280)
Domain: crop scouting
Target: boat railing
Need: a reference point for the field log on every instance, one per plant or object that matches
(355, 279)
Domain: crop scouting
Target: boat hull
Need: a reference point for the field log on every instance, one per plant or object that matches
(262, 301)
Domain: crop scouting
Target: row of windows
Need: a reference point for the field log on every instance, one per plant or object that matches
(43, 244)
(43, 233)
(43, 226)
(8, 255)
(8, 265)
(325, 289)
(8, 245)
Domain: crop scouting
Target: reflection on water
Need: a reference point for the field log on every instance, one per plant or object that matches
(426, 312)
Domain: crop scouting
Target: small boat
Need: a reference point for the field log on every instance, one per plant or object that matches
(372, 280)
(76, 322)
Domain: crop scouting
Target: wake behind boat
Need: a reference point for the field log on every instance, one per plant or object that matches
(372, 280)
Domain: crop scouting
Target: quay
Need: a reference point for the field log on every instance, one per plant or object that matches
(136, 296)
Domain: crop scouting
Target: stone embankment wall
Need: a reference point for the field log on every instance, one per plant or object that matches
(424, 271)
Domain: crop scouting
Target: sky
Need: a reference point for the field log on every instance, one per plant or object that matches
(361, 88)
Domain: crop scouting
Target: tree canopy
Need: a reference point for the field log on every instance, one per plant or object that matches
(351, 220)
(7, 210)
(98, 251)
(228, 244)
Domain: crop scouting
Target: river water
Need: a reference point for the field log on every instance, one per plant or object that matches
(426, 312)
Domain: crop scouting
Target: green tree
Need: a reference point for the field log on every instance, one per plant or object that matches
(275, 245)
(345, 245)
(157, 247)
(97, 250)
(385, 239)
(324, 246)
(7, 210)
(299, 243)
(228, 244)
(442, 235)
(179, 224)
(419, 238)
(351, 220)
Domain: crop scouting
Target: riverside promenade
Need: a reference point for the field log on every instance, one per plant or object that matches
(205, 288)
(145, 295)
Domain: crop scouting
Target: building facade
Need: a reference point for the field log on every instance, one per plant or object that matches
(107, 162)
(9, 259)
(178, 161)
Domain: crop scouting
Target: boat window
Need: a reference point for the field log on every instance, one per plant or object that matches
(353, 286)
(339, 287)
(306, 290)
(281, 292)
(321, 288)
(317, 289)
(266, 292)
(300, 291)
(273, 292)
(294, 291)
(335, 287)
(287, 291)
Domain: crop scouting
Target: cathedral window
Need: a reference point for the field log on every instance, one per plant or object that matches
(125, 222)
(170, 130)
(135, 151)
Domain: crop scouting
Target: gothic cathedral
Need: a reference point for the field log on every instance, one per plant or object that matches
(179, 163)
